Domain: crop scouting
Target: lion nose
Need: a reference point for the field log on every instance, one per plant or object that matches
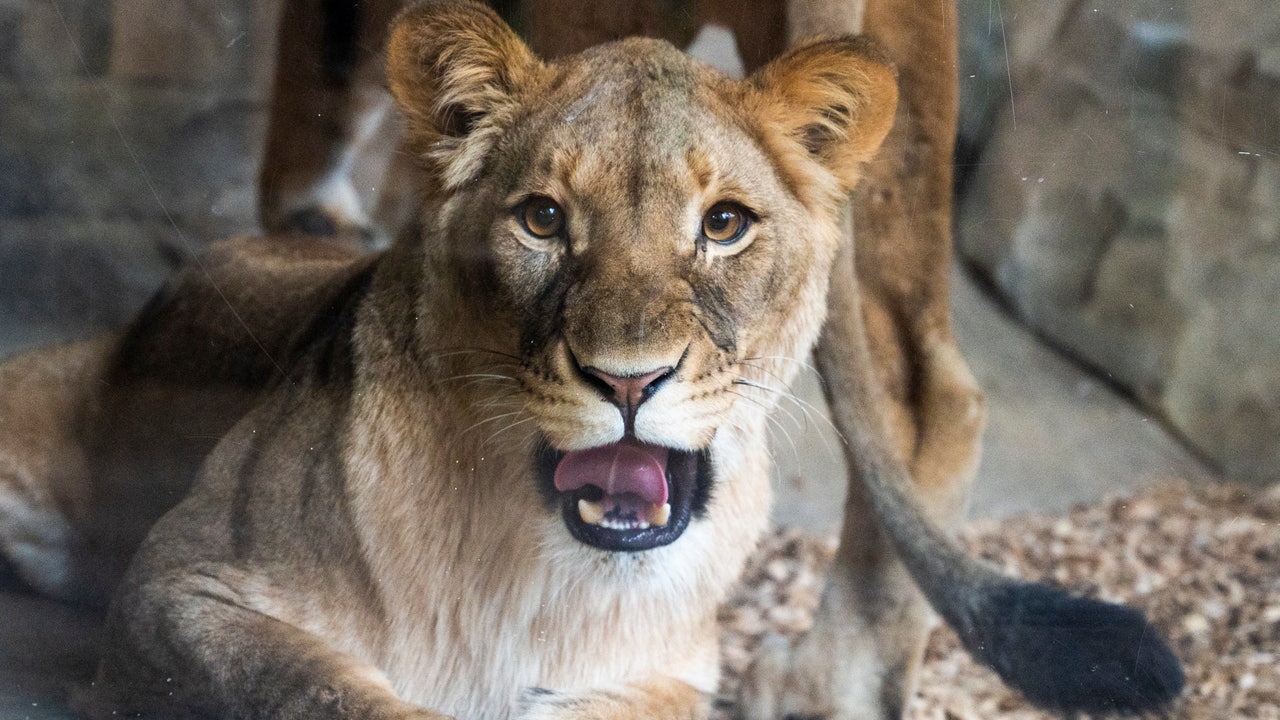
(628, 391)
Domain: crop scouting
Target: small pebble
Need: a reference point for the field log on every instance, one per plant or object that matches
(1201, 562)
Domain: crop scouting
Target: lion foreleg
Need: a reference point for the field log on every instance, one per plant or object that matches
(861, 658)
(659, 698)
(861, 661)
(187, 645)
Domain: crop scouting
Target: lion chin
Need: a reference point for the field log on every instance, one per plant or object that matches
(625, 496)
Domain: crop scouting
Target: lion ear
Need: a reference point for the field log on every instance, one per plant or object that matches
(457, 72)
(836, 98)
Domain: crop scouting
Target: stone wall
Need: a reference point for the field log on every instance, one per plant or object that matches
(129, 137)
(1123, 195)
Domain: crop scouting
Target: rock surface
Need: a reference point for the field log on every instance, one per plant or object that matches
(1123, 194)
(131, 139)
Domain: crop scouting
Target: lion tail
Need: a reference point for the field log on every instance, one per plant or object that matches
(1062, 652)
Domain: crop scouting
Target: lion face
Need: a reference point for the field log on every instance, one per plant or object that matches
(653, 238)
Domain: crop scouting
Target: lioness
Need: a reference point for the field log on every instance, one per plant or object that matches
(517, 466)
(510, 466)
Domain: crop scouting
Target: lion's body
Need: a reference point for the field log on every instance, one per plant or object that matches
(354, 504)
(104, 436)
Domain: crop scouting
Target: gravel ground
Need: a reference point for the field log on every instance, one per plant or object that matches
(1203, 563)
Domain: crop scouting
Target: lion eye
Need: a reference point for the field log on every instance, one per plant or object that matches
(541, 217)
(725, 223)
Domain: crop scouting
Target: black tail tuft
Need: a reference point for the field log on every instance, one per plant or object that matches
(1070, 653)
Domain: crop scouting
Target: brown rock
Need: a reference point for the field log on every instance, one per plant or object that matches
(1125, 204)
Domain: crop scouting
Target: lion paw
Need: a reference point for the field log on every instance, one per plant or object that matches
(814, 678)
(663, 699)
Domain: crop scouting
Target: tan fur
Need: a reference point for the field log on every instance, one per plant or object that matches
(99, 438)
(369, 539)
(42, 463)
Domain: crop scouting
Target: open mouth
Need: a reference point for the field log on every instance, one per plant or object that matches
(628, 495)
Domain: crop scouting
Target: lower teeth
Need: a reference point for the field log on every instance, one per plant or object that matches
(623, 524)
(593, 513)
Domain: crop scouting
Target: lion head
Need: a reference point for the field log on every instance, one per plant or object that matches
(644, 242)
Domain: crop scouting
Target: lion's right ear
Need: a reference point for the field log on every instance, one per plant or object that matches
(457, 71)
(833, 99)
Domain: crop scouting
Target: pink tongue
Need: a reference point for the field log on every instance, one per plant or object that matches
(620, 468)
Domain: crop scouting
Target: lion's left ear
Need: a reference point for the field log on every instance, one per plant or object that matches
(836, 98)
(457, 71)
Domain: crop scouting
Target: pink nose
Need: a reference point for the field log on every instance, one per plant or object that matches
(629, 391)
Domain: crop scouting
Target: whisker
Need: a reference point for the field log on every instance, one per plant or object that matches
(509, 400)
(786, 386)
(508, 427)
(794, 420)
(480, 375)
(491, 384)
(795, 450)
(761, 368)
(786, 358)
(451, 352)
(809, 409)
(802, 364)
(491, 419)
